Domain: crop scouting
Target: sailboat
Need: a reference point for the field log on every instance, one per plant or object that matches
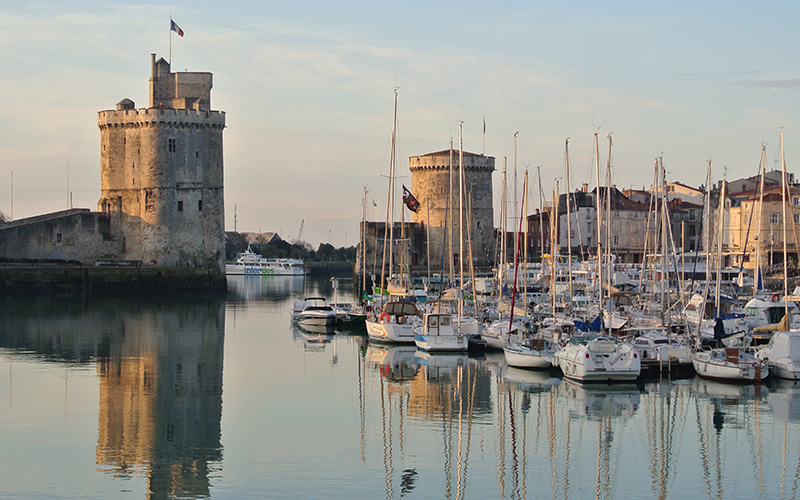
(396, 320)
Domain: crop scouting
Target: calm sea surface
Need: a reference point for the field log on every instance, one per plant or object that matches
(176, 397)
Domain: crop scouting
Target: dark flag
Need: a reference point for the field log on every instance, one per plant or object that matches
(409, 200)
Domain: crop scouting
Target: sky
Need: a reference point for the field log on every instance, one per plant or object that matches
(308, 89)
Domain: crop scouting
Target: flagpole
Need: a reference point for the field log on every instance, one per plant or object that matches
(170, 42)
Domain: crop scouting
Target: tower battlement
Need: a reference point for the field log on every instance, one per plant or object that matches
(146, 117)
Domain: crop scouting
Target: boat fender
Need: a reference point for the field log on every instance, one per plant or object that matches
(384, 317)
(776, 297)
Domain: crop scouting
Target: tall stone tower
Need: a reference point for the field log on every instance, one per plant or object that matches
(161, 177)
(431, 183)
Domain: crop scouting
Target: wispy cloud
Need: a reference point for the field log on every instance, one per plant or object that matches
(719, 74)
(790, 83)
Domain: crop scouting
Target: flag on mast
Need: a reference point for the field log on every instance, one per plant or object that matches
(174, 27)
(409, 200)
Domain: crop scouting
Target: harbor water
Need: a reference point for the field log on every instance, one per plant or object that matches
(223, 397)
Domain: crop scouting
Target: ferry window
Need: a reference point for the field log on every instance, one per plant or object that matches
(180, 206)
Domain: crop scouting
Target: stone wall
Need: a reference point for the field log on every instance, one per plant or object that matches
(71, 235)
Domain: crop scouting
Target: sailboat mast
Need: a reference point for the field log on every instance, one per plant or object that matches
(664, 239)
(451, 216)
(503, 222)
(760, 238)
(391, 184)
(607, 218)
(569, 224)
(516, 235)
(388, 231)
(598, 219)
(720, 228)
(785, 199)
(460, 218)
(363, 240)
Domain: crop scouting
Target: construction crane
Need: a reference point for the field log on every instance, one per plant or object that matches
(300, 234)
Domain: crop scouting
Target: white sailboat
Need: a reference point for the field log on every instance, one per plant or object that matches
(532, 353)
(730, 364)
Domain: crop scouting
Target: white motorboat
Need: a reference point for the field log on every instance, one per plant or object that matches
(782, 354)
(249, 263)
(730, 364)
(598, 358)
(656, 347)
(349, 313)
(438, 333)
(767, 316)
(313, 311)
(532, 353)
(395, 323)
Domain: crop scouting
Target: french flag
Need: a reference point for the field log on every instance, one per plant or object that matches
(174, 27)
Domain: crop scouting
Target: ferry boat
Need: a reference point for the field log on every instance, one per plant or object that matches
(249, 263)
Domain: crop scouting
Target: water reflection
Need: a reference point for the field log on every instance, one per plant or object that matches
(264, 288)
(159, 365)
(397, 421)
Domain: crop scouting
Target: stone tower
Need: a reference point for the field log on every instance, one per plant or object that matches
(161, 175)
(430, 180)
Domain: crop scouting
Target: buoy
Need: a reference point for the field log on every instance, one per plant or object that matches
(384, 317)
(776, 297)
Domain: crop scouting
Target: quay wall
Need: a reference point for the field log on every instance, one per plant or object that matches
(131, 278)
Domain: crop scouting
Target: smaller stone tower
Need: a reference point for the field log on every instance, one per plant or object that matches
(161, 173)
(431, 184)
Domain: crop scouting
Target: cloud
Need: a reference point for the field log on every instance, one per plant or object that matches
(790, 83)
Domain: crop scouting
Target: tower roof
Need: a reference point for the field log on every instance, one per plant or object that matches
(446, 152)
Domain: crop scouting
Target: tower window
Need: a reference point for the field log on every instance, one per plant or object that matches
(200, 205)
(180, 206)
(172, 146)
